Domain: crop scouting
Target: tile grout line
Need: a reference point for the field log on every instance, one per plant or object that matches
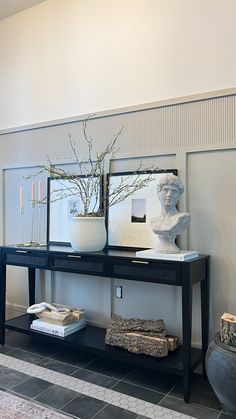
(104, 407)
(221, 411)
(167, 394)
(130, 403)
(198, 405)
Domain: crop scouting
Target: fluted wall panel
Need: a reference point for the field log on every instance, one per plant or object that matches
(191, 125)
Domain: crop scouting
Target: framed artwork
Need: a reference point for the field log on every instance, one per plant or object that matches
(128, 222)
(64, 203)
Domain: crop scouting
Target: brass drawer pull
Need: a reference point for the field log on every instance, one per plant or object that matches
(74, 256)
(21, 251)
(140, 261)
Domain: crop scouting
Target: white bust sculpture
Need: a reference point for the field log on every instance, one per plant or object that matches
(170, 222)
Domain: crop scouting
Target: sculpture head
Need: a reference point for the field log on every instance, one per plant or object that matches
(169, 190)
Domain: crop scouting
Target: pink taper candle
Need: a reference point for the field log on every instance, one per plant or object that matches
(40, 191)
(21, 198)
(32, 191)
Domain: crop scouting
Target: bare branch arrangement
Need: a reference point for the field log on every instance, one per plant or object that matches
(85, 182)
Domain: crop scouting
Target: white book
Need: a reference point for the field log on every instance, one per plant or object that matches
(58, 330)
(59, 327)
(55, 332)
(182, 256)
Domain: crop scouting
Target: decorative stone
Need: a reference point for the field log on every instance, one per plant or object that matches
(141, 336)
(122, 324)
(138, 343)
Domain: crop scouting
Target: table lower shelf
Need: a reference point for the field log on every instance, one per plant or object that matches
(92, 339)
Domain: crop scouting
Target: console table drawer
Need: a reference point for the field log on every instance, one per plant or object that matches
(147, 271)
(26, 258)
(79, 263)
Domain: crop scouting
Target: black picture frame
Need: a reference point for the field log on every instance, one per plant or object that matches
(123, 231)
(57, 228)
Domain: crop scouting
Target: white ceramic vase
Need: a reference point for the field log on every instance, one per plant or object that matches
(88, 234)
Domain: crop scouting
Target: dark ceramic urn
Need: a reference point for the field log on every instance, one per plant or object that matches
(221, 372)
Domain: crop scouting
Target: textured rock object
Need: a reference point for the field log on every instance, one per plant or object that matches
(124, 325)
(228, 329)
(138, 343)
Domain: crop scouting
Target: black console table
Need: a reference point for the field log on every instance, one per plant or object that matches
(115, 264)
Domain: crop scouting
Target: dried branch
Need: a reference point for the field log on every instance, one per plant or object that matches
(86, 182)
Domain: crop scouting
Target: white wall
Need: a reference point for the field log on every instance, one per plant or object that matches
(63, 58)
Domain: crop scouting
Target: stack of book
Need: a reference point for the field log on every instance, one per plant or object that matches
(56, 329)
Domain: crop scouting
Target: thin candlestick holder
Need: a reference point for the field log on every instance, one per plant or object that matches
(39, 243)
(32, 242)
(22, 243)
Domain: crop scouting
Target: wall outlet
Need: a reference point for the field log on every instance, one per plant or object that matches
(118, 291)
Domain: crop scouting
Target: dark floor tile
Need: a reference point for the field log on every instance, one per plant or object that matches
(18, 340)
(113, 368)
(30, 343)
(224, 415)
(56, 396)
(115, 413)
(83, 407)
(12, 378)
(25, 356)
(198, 370)
(4, 349)
(57, 366)
(32, 387)
(152, 379)
(5, 370)
(138, 392)
(73, 357)
(201, 392)
(190, 409)
(22, 396)
(95, 378)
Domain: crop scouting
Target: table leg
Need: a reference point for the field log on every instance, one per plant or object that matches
(205, 301)
(31, 284)
(187, 332)
(2, 302)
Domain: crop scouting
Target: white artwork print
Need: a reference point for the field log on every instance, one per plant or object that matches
(122, 230)
(74, 207)
(138, 210)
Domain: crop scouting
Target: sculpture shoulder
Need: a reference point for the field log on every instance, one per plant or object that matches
(176, 222)
(176, 218)
(182, 216)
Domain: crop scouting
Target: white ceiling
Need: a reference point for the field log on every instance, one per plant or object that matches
(11, 7)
